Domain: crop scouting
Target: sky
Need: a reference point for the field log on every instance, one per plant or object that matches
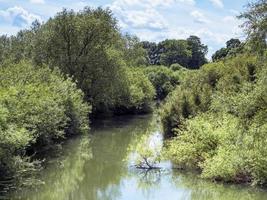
(214, 21)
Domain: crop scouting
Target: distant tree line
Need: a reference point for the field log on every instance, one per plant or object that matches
(189, 53)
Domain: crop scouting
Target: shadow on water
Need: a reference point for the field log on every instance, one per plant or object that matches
(96, 167)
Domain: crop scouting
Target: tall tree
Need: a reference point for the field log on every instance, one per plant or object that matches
(174, 51)
(255, 24)
(82, 46)
(4, 47)
(153, 53)
(132, 48)
(199, 51)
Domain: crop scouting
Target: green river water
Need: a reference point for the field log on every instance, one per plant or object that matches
(97, 167)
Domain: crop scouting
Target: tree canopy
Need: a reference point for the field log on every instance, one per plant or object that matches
(233, 47)
(255, 24)
(189, 53)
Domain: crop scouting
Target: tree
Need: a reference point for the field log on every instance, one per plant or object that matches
(164, 79)
(86, 46)
(189, 53)
(219, 54)
(4, 47)
(255, 24)
(174, 51)
(132, 48)
(82, 45)
(233, 47)
(233, 43)
(199, 51)
(153, 52)
(16, 48)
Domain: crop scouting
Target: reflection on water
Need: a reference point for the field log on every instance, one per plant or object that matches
(98, 170)
(202, 190)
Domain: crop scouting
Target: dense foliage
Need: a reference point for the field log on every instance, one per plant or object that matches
(164, 79)
(72, 58)
(219, 125)
(255, 24)
(232, 147)
(139, 93)
(189, 53)
(216, 116)
(87, 46)
(233, 47)
(38, 106)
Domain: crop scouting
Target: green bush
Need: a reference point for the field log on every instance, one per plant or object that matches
(223, 134)
(37, 106)
(200, 138)
(163, 79)
(199, 88)
(184, 103)
(177, 67)
(138, 93)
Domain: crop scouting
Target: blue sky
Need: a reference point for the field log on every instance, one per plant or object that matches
(154, 20)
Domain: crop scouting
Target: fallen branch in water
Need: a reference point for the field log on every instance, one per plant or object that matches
(146, 165)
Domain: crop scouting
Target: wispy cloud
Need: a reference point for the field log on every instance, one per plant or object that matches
(199, 17)
(38, 1)
(17, 16)
(140, 13)
(190, 2)
(217, 3)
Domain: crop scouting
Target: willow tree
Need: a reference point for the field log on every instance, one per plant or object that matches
(81, 44)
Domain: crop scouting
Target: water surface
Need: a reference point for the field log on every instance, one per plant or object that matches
(97, 167)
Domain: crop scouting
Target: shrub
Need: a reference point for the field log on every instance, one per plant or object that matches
(225, 135)
(163, 79)
(37, 106)
(138, 93)
(177, 67)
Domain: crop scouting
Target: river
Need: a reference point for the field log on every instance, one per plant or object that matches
(97, 167)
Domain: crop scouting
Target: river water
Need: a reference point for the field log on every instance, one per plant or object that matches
(97, 167)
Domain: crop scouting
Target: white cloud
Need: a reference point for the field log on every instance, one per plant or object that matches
(199, 17)
(140, 14)
(149, 18)
(190, 2)
(217, 3)
(155, 3)
(150, 3)
(234, 26)
(215, 37)
(38, 1)
(230, 19)
(141, 3)
(235, 12)
(152, 20)
(8, 30)
(207, 36)
(17, 16)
